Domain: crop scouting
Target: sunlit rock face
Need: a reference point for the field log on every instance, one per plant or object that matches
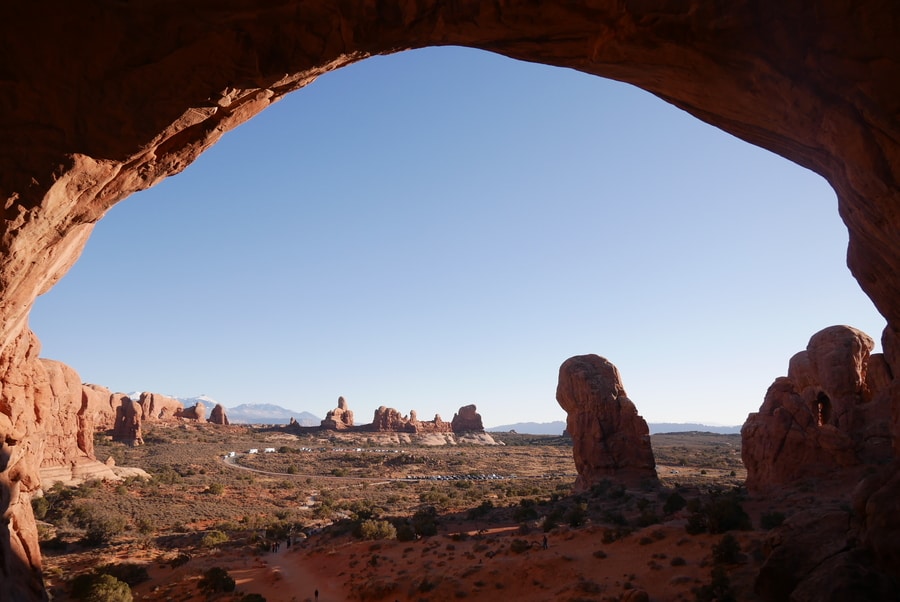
(828, 419)
(610, 440)
(99, 100)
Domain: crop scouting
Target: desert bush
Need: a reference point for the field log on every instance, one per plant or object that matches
(517, 546)
(718, 589)
(525, 511)
(99, 587)
(252, 598)
(215, 489)
(377, 529)
(727, 551)
(40, 506)
(577, 515)
(479, 511)
(424, 521)
(725, 513)
(127, 572)
(405, 532)
(101, 530)
(215, 580)
(107, 588)
(674, 503)
(214, 538)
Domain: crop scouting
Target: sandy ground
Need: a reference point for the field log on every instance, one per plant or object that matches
(661, 560)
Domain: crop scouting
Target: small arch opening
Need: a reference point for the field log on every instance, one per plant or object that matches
(822, 410)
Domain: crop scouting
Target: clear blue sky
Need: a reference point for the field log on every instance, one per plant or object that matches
(445, 227)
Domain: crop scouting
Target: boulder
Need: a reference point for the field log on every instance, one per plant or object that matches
(610, 440)
(340, 418)
(219, 416)
(466, 420)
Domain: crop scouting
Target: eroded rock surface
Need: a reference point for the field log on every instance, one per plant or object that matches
(340, 418)
(159, 407)
(467, 420)
(100, 100)
(218, 415)
(829, 418)
(610, 440)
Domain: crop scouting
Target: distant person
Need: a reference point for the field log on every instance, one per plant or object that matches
(546, 544)
(317, 595)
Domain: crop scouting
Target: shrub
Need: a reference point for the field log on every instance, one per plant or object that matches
(213, 538)
(674, 503)
(377, 529)
(102, 529)
(215, 489)
(107, 588)
(405, 532)
(253, 598)
(424, 521)
(718, 589)
(725, 513)
(727, 551)
(215, 580)
(40, 506)
(129, 572)
(518, 546)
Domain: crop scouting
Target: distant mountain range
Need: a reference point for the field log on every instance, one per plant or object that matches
(256, 413)
(557, 427)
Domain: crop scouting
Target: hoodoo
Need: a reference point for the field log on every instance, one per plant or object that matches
(609, 439)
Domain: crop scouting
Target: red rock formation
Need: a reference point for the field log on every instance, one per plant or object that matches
(340, 418)
(196, 412)
(828, 418)
(156, 85)
(467, 420)
(429, 426)
(609, 439)
(389, 420)
(159, 407)
(128, 421)
(219, 416)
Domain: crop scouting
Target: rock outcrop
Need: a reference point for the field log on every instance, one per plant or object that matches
(159, 407)
(128, 421)
(157, 85)
(467, 420)
(829, 418)
(340, 418)
(195, 413)
(609, 439)
(430, 426)
(218, 415)
(389, 420)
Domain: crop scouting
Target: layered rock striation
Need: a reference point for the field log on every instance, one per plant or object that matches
(610, 440)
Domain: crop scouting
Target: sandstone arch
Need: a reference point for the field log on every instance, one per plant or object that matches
(98, 101)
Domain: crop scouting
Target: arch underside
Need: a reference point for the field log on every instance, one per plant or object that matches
(100, 101)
